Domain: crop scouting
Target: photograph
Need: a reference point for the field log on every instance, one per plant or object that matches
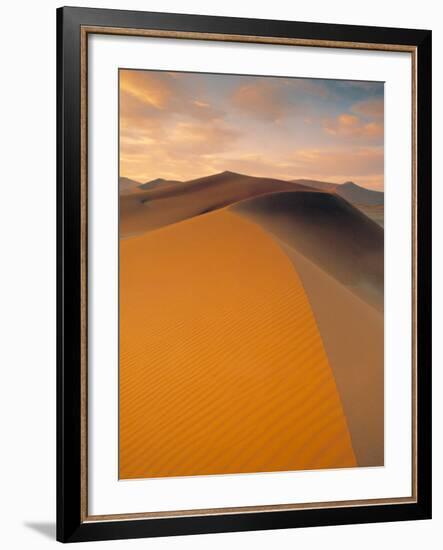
(251, 213)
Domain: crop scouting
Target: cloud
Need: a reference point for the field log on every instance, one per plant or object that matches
(369, 108)
(349, 125)
(203, 138)
(309, 86)
(350, 162)
(179, 153)
(152, 88)
(166, 123)
(261, 98)
(150, 94)
(363, 165)
(364, 120)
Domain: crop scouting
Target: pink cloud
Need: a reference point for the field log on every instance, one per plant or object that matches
(260, 98)
(349, 125)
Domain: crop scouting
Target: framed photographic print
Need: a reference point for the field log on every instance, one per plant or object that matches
(244, 271)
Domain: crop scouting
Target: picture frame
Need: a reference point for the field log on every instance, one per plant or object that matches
(74, 213)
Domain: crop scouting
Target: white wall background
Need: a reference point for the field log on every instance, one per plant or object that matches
(27, 274)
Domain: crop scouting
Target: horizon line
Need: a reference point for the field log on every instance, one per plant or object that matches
(293, 180)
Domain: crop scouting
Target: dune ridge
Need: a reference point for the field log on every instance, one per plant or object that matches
(160, 202)
(173, 202)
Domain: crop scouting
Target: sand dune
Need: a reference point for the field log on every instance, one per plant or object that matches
(353, 193)
(251, 328)
(222, 366)
(328, 231)
(167, 204)
(375, 212)
(320, 185)
(352, 333)
(127, 186)
(359, 195)
(158, 182)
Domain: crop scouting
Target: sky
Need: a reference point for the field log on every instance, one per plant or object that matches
(182, 126)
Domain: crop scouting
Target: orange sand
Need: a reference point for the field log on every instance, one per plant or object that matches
(352, 334)
(222, 368)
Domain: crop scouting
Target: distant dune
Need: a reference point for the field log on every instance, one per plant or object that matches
(127, 186)
(359, 195)
(330, 232)
(166, 204)
(159, 182)
(353, 193)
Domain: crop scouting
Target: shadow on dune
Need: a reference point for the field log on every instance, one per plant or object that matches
(350, 191)
(338, 254)
(328, 231)
(352, 333)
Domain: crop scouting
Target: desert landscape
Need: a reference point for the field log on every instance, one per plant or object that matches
(251, 323)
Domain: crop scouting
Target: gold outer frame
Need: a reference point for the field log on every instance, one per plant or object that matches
(84, 33)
